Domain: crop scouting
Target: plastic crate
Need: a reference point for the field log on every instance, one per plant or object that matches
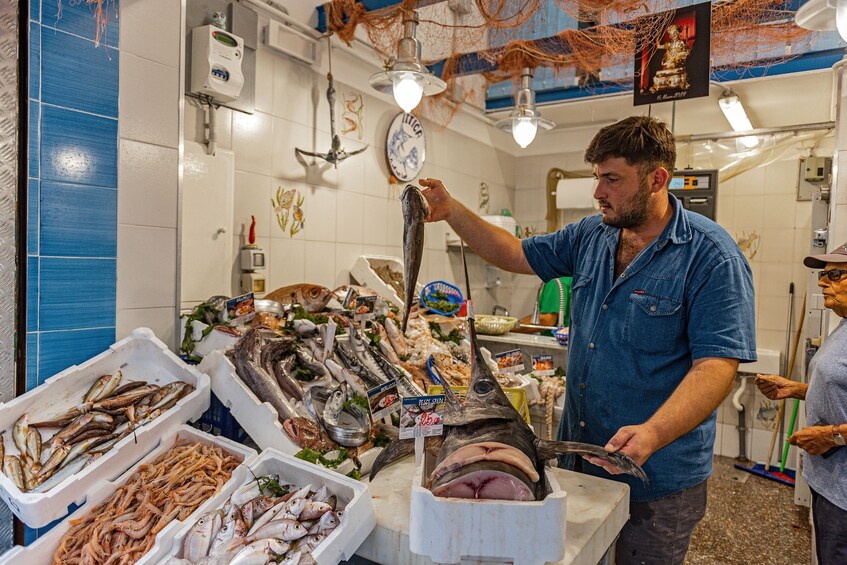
(218, 420)
(453, 294)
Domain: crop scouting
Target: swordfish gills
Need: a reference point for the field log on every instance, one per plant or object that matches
(415, 211)
(488, 451)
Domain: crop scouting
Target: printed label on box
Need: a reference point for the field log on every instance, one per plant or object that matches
(422, 416)
(542, 365)
(241, 309)
(509, 361)
(384, 400)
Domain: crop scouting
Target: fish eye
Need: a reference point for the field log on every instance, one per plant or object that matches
(483, 387)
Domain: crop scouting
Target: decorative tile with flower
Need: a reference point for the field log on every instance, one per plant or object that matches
(287, 208)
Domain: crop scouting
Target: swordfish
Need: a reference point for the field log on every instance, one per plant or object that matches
(415, 211)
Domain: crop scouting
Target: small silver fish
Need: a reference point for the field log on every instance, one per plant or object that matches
(286, 530)
(196, 544)
(314, 510)
(96, 388)
(334, 405)
(328, 522)
(52, 464)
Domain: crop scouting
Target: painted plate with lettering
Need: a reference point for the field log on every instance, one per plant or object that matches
(405, 146)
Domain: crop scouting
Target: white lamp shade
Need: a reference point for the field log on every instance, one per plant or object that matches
(408, 90)
(524, 130)
(734, 112)
(841, 18)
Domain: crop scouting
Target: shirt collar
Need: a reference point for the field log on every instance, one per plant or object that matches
(678, 229)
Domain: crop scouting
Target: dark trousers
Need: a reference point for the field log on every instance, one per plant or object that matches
(830, 524)
(659, 532)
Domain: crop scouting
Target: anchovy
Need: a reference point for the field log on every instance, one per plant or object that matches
(415, 211)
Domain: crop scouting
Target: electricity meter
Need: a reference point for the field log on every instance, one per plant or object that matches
(216, 63)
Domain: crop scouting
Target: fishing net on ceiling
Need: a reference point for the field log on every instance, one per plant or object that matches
(102, 10)
(592, 36)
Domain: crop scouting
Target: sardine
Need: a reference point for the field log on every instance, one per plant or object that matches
(12, 468)
(415, 211)
(488, 449)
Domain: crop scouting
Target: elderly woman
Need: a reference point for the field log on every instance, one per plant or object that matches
(825, 467)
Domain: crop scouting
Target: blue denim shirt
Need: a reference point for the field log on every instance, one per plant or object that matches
(687, 295)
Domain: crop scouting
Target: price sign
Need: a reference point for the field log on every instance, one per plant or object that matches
(509, 361)
(422, 416)
(542, 365)
(241, 309)
(384, 400)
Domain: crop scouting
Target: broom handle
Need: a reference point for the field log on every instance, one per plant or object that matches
(790, 431)
(788, 376)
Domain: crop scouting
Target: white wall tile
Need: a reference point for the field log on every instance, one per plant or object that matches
(375, 173)
(775, 279)
(320, 210)
(777, 245)
(781, 177)
(295, 93)
(159, 42)
(196, 119)
(394, 222)
(252, 142)
(147, 184)
(349, 217)
(773, 312)
(288, 262)
(162, 321)
(320, 263)
(346, 255)
(751, 182)
(375, 216)
(779, 210)
(146, 267)
(252, 198)
(265, 63)
(149, 101)
(351, 171)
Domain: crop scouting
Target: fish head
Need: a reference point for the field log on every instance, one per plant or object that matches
(313, 297)
(414, 204)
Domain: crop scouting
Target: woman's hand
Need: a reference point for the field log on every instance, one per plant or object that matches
(776, 388)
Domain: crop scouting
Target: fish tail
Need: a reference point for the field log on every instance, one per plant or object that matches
(394, 451)
(548, 449)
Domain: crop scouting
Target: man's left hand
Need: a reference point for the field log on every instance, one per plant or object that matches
(639, 442)
(815, 440)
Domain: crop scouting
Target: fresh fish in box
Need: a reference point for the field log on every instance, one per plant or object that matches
(313, 298)
(415, 211)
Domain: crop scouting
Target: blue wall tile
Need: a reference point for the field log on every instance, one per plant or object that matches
(59, 350)
(32, 294)
(32, 199)
(78, 19)
(34, 138)
(35, 10)
(76, 293)
(78, 148)
(78, 221)
(79, 75)
(31, 361)
(34, 61)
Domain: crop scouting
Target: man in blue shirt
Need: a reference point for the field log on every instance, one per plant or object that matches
(662, 312)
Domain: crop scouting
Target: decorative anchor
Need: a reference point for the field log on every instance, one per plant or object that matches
(336, 153)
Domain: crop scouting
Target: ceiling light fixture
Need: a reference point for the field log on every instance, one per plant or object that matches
(406, 78)
(732, 108)
(823, 15)
(525, 119)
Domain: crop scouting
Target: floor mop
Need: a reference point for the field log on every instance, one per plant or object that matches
(783, 475)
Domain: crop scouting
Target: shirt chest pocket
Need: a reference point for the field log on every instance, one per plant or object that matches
(653, 323)
(580, 290)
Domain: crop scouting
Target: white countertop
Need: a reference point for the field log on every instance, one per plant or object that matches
(597, 510)
(524, 339)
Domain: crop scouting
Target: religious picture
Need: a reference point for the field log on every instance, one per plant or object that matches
(674, 65)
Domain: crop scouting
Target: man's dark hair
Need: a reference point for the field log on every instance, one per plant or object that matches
(643, 142)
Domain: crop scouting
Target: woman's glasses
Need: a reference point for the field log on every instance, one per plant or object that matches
(833, 274)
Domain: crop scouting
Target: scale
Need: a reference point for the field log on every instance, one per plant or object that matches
(253, 263)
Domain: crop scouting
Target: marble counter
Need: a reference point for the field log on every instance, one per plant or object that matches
(597, 510)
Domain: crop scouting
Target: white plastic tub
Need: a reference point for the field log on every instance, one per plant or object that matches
(140, 356)
(358, 518)
(42, 550)
(448, 530)
(259, 419)
(363, 273)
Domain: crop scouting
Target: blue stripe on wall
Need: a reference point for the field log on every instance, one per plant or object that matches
(78, 148)
(73, 217)
(59, 350)
(76, 293)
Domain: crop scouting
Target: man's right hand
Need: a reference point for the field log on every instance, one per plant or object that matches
(775, 387)
(438, 198)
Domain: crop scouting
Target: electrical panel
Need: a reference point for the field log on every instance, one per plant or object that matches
(216, 57)
(816, 169)
(696, 190)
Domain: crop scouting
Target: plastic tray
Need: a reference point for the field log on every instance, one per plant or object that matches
(357, 520)
(448, 530)
(453, 296)
(43, 549)
(140, 356)
(259, 419)
(363, 273)
(494, 325)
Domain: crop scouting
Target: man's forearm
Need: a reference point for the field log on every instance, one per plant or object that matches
(702, 390)
(495, 245)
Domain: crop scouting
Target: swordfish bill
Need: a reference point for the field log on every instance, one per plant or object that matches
(488, 450)
(415, 211)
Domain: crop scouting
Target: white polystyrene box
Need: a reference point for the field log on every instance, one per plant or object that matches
(363, 272)
(42, 550)
(140, 356)
(357, 520)
(448, 530)
(259, 419)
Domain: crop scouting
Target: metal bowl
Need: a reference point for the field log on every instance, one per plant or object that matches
(354, 427)
(272, 306)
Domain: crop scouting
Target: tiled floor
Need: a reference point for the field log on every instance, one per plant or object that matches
(750, 519)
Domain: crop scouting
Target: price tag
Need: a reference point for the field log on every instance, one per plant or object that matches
(542, 365)
(329, 337)
(422, 416)
(364, 309)
(509, 361)
(241, 309)
(384, 400)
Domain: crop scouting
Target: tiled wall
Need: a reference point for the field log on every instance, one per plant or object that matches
(352, 210)
(73, 188)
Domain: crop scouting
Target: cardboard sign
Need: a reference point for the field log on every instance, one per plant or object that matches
(675, 65)
(422, 416)
(384, 400)
(542, 365)
(509, 361)
(364, 309)
(241, 309)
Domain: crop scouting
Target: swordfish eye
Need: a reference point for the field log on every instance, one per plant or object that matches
(483, 387)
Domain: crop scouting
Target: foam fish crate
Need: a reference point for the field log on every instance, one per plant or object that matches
(259, 419)
(357, 520)
(140, 356)
(363, 272)
(43, 549)
(448, 530)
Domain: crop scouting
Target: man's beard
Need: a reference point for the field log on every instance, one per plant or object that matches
(635, 212)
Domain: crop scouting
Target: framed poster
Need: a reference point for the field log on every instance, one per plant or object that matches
(674, 65)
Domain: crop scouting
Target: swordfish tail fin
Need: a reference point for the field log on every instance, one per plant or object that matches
(549, 449)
